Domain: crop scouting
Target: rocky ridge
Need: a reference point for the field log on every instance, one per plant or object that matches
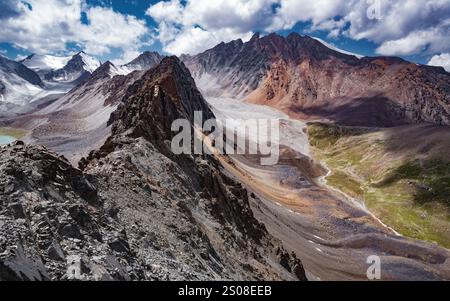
(145, 61)
(133, 211)
(301, 76)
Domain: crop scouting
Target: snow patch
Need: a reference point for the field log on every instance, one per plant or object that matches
(46, 62)
(90, 64)
(18, 91)
(331, 46)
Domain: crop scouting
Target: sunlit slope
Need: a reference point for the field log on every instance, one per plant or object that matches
(402, 174)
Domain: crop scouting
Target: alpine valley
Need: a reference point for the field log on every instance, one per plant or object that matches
(91, 180)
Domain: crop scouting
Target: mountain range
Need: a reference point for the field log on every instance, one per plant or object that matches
(40, 79)
(95, 184)
(304, 78)
(144, 220)
(62, 69)
(297, 74)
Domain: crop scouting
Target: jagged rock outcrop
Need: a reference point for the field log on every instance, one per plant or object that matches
(134, 210)
(145, 61)
(161, 96)
(47, 212)
(302, 76)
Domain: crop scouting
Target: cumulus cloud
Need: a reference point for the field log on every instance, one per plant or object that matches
(49, 26)
(290, 12)
(196, 25)
(441, 60)
(108, 29)
(190, 26)
(397, 27)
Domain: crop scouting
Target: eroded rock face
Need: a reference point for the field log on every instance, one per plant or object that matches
(302, 76)
(145, 61)
(161, 96)
(134, 210)
(46, 213)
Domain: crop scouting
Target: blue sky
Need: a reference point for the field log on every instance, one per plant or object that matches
(119, 30)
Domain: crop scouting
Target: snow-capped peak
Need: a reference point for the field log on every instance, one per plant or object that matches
(90, 64)
(38, 62)
(46, 63)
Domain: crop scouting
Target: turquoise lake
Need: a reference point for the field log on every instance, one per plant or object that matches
(6, 139)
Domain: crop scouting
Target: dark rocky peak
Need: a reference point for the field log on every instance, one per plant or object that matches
(164, 94)
(436, 69)
(27, 58)
(76, 61)
(384, 60)
(145, 61)
(230, 46)
(10, 66)
(295, 48)
(104, 71)
(255, 37)
(272, 45)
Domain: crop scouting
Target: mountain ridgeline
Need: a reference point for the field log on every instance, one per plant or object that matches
(303, 77)
(145, 61)
(9, 68)
(145, 215)
(134, 210)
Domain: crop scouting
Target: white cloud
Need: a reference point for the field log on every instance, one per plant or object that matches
(201, 24)
(194, 40)
(290, 12)
(398, 27)
(48, 26)
(45, 27)
(170, 11)
(108, 29)
(433, 40)
(405, 27)
(441, 60)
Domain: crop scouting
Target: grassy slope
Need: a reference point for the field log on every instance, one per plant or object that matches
(403, 180)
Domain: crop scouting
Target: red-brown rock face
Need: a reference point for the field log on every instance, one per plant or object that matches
(303, 77)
